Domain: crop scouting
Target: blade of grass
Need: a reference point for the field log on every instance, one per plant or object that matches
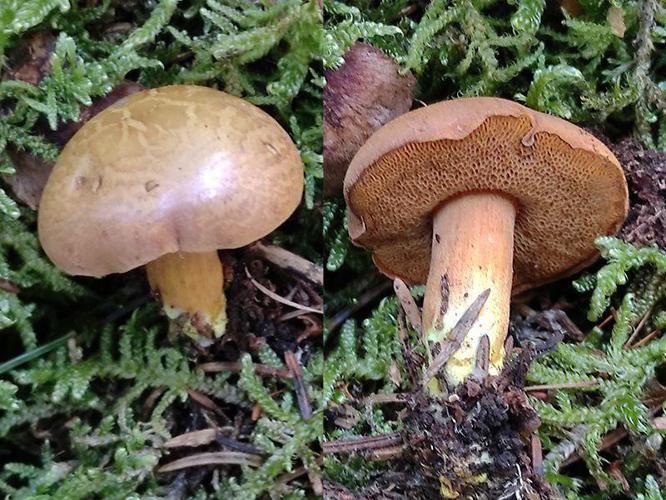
(34, 353)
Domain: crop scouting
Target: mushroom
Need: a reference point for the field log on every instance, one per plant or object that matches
(360, 96)
(164, 178)
(479, 194)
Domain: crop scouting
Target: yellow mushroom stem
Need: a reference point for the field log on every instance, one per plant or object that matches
(472, 246)
(192, 284)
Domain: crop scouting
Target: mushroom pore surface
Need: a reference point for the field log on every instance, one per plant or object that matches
(567, 186)
(179, 168)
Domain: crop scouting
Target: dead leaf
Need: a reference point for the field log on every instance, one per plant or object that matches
(192, 439)
(214, 458)
(615, 18)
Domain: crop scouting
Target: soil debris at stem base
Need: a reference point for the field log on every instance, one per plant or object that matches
(475, 442)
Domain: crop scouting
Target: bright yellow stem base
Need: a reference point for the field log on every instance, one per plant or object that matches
(473, 247)
(192, 284)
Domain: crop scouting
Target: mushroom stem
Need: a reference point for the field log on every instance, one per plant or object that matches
(191, 284)
(472, 250)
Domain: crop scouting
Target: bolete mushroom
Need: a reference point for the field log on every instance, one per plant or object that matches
(360, 96)
(164, 178)
(481, 193)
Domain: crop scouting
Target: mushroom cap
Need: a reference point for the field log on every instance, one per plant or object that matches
(178, 168)
(567, 186)
(360, 96)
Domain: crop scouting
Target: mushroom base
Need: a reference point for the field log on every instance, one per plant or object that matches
(472, 251)
(191, 285)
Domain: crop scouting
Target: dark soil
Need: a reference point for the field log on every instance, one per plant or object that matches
(645, 171)
(254, 320)
(646, 175)
(473, 444)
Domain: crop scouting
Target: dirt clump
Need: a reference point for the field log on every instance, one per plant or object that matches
(473, 442)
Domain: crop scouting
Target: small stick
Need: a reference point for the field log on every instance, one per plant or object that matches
(384, 454)
(290, 476)
(537, 454)
(409, 305)
(235, 445)
(8, 286)
(606, 320)
(215, 458)
(301, 391)
(456, 336)
(292, 314)
(385, 398)
(279, 298)
(639, 327)
(288, 260)
(645, 339)
(205, 401)
(565, 385)
(235, 367)
(349, 445)
(340, 317)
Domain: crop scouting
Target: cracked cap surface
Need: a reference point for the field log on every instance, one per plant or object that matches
(568, 187)
(178, 168)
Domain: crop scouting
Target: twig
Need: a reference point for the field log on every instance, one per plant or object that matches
(565, 385)
(279, 298)
(606, 320)
(639, 327)
(537, 454)
(374, 399)
(362, 443)
(235, 367)
(205, 401)
(151, 400)
(645, 339)
(384, 454)
(8, 286)
(290, 476)
(235, 445)
(214, 458)
(409, 305)
(288, 260)
(456, 337)
(367, 297)
(292, 314)
(301, 391)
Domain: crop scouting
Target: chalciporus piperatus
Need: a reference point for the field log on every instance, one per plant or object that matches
(481, 194)
(360, 96)
(163, 179)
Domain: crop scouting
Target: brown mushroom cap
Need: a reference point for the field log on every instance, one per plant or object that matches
(179, 168)
(360, 96)
(567, 185)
